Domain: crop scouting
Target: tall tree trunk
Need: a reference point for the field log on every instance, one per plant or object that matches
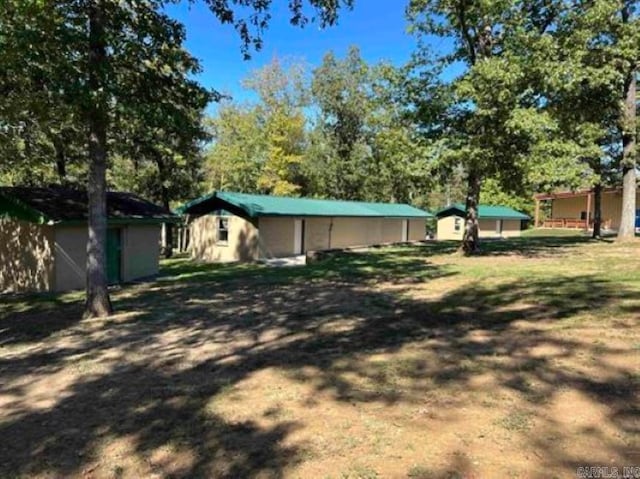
(470, 241)
(61, 161)
(629, 132)
(597, 210)
(98, 303)
(478, 45)
(167, 237)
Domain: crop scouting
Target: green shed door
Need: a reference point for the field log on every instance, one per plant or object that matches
(114, 255)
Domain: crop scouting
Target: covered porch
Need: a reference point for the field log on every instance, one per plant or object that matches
(576, 209)
(566, 223)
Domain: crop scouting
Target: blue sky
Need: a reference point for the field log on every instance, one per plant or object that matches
(377, 27)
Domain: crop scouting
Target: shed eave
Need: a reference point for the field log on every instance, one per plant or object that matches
(332, 215)
(16, 209)
(120, 221)
(180, 210)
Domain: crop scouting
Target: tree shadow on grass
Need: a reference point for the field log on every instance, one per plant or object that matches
(534, 246)
(151, 412)
(159, 370)
(399, 263)
(528, 247)
(49, 316)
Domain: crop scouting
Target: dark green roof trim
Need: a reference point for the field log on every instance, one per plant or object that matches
(253, 206)
(488, 212)
(61, 205)
(122, 221)
(181, 210)
(14, 208)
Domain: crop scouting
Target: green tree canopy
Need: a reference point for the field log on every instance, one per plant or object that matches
(498, 121)
(104, 62)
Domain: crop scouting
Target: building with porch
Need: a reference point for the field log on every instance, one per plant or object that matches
(576, 209)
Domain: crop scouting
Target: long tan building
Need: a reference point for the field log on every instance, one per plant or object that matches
(576, 209)
(43, 238)
(241, 227)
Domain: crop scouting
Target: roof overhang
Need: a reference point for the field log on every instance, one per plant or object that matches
(13, 208)
(213, 202)
(449, 211)
(572, 194)
(121, 221)
(208, 204)
(457, 211)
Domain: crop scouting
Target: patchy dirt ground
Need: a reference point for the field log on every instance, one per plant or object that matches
(402, 362)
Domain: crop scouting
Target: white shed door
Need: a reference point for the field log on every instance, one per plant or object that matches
(405, 231)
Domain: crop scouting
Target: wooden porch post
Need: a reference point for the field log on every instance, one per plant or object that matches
(588, 210)
(537, 216)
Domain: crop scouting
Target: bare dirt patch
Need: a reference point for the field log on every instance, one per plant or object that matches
(362, 366)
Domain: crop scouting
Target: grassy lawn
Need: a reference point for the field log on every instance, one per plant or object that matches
(398, 362)
(553, 232)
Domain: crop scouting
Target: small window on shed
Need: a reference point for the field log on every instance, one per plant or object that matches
(223, 230)
(583, 215)
(457, 224)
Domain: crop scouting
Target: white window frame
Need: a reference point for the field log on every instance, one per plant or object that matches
(222, 225)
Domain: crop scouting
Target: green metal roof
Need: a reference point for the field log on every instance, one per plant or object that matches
(484, 211)
(265, 205)
(59, 205)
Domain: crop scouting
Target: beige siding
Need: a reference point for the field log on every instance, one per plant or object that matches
(446, 228)
(511, 228)
(612, 208)
(569, 207)
(391, 230)
(26, 256)
(71, 257)
(573, 207)
(329, 233)
(417, 229)
(488, 228)
(317, 236)
(276, 236)
(348, 232)
(241, 246)
(140, 254)
(140, 251)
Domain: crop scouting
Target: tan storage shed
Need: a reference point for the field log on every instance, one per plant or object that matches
(43, 238)
(227, 226)
(493, 222)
